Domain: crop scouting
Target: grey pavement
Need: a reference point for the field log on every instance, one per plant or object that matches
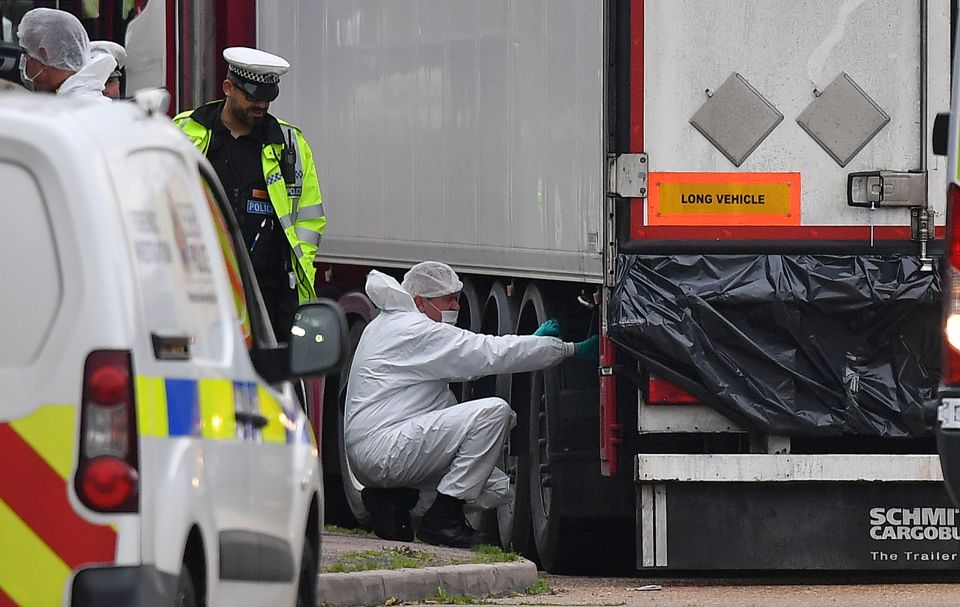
(369, 588)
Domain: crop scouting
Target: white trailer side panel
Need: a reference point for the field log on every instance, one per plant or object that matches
(463, 131)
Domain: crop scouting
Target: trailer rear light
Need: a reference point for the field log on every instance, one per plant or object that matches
(662, 392)
(107, 477)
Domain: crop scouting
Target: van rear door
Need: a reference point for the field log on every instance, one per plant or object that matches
(44, 535)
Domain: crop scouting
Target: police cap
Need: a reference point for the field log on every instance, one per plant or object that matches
(255, 72)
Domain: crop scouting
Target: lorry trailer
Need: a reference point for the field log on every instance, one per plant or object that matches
(738, 196)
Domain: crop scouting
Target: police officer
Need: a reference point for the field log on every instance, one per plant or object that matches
(267, 171)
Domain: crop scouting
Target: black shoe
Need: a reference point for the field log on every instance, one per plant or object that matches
(390, 512)
(444, 525)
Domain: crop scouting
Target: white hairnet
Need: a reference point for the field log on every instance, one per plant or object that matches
(54, 38)
(431, 279)
(108, 47)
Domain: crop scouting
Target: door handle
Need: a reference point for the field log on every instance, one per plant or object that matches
(171, 347)
(254, 419)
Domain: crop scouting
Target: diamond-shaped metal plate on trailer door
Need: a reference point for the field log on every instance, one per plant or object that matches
(843, 119)
(736, 118)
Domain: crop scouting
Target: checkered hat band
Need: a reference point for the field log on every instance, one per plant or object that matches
(254, 76)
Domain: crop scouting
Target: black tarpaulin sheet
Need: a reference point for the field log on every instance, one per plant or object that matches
(799, 345)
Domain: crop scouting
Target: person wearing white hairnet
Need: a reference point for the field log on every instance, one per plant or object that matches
(112, 87)
(403, 428)
(56, 56)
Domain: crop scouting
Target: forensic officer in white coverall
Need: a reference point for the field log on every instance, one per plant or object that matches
(56, 56)
(403, 428)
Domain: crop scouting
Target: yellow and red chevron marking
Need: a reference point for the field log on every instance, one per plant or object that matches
(42, 538)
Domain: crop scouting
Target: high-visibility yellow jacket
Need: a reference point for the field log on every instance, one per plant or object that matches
(299, 206)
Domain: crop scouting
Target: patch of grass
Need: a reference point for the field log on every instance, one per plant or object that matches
(386, 558)
(345, 531)
(540, 587)
(444, 598)
(485, 554)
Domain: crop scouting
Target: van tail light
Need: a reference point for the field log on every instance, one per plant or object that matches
(663, 392)
(108, 466)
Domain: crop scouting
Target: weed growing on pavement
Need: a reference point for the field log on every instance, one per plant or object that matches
(540, 587)
(386, 558)
(444, 598)
(485, 554)
(346, 531)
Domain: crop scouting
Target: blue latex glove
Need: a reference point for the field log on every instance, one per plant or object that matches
(550, 328)
(588, 349)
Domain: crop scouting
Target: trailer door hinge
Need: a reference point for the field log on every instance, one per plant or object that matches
(627, 175)
(878, 189)
(921, 223)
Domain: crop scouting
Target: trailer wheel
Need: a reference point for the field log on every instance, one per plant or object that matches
(568, 537)
(470, 318)
(512, 520)
(546, 528)
(351, 486)
(562, 544)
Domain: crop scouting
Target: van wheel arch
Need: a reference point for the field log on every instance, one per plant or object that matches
(193, 572)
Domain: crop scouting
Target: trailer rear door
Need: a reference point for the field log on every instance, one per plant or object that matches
(756, 114)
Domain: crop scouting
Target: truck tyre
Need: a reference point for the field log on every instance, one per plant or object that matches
(471, 310)
(500, 317)
(307, 584)
(554, 537)
(337, 502)
(563, 545)
(351, 486)
(186, 595)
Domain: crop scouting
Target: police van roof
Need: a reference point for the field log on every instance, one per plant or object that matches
(41, 118)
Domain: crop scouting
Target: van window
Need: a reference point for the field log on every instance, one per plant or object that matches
(233, 266)
(165, 225)
(246, 299)
(32, 282)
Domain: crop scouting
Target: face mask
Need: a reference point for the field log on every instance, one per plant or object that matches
(448, 317)
(26, 80)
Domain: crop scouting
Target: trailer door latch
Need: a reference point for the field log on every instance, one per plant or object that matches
(627, 175)
(878, 189)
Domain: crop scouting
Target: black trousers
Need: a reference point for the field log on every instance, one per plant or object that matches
(282, 303)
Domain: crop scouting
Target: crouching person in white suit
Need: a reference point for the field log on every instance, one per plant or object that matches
(403, 428)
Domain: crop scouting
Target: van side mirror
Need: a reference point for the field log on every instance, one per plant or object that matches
(319, 341)
(941, 134)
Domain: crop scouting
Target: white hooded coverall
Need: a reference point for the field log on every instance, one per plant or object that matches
(402, 425)
(88, 82)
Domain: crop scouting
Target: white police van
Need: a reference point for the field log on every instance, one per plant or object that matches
(152, 452)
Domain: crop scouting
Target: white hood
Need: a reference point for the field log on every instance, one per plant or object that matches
(88, 82)
(387, 294)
